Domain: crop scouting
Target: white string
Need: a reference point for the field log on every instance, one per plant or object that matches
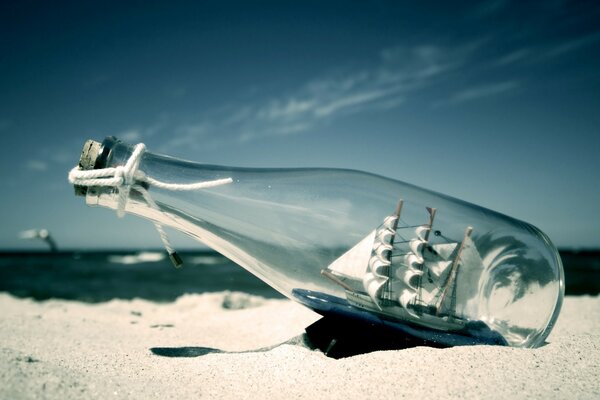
(127, 176)
(158, 226)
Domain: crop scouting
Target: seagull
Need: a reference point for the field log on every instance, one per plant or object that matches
(42, 234)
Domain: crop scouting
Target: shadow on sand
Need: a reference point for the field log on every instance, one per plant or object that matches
(187, 351)
(322, 336)
(195, 351)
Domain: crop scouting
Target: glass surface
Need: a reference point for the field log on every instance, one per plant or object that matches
(443, 264)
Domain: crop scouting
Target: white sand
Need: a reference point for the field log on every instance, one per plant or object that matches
(61, 349)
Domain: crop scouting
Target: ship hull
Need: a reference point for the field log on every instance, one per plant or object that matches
(472, 333)
(364, 302)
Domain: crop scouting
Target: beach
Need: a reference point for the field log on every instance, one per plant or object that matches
(229, 345)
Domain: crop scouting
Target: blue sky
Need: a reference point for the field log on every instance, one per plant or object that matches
(496, 103)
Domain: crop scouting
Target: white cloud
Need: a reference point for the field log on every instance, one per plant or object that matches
(351, 100)
(36, 165)
(479, 92)
(131, 135)
(188, 135)
(289, 110)
(61, 157)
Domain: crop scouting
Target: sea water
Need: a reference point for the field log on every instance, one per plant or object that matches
(104, 275)
(95, 276)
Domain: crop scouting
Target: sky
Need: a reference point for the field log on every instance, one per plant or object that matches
(493, 102)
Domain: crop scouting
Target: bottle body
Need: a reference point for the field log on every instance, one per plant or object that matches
(293, 228)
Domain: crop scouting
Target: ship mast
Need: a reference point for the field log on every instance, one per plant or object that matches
(452, 275)
(432, 212)
(389, 286)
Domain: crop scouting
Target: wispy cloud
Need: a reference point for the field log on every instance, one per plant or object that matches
(538, 54)
(130, 135)
(573, 45)
(479, 92)
(512, 57)
(542, 53)
(390, 81)
(136, 134)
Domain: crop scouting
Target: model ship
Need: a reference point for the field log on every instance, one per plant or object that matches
(397, 273)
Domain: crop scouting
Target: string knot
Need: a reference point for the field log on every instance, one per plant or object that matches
(120, 174)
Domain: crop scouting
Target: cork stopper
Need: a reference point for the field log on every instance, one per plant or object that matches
(89, 154)
(87, 160)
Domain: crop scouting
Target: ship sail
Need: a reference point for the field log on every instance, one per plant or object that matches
(353, 263)
(468, 281)
(377, 274)
(443, 251)
(438, 259)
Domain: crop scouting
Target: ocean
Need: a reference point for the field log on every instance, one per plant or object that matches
(97, 276)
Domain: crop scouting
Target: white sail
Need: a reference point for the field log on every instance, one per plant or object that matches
(390, 221)
(444, 250)
(413, 261)
(379, 266)
(434, 276)
(385, 235)
(438, 268)
(382, 250)
(407, 276)
(353, 264)
(373, 285)
(422, 231)
(405, 299)
(416, 246)
(468, 278)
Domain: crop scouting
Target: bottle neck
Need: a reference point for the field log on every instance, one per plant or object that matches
(123, 180)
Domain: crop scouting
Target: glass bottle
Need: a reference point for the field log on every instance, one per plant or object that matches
(357, 245)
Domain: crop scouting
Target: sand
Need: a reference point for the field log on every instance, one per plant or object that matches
(206, 346)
